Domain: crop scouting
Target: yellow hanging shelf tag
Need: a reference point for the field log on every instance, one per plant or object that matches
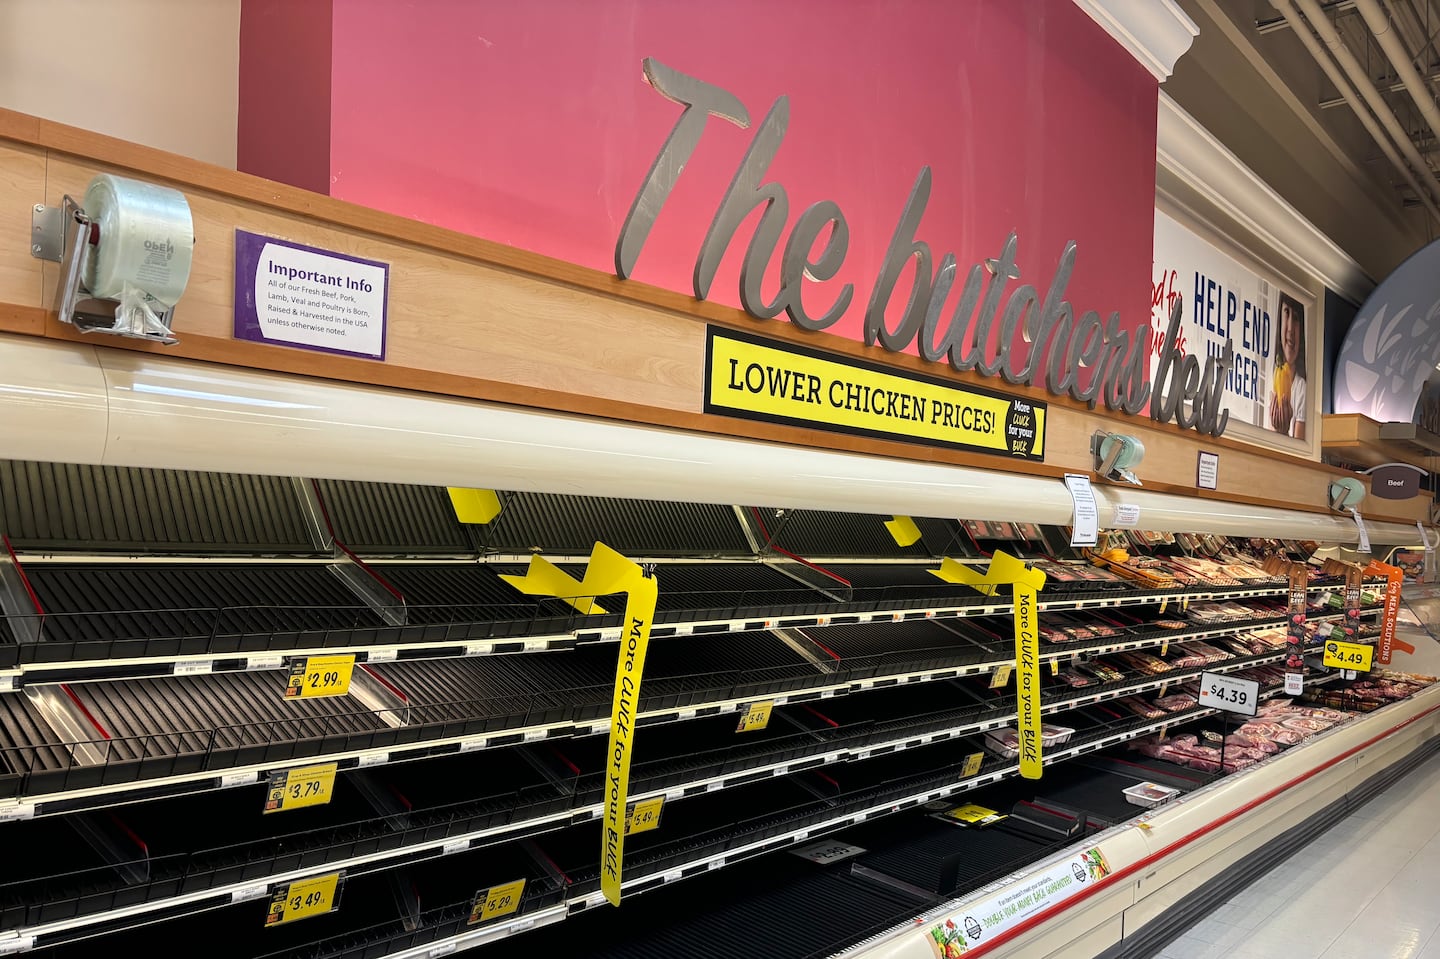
(544, 578)
(474, 506)
(903, 530)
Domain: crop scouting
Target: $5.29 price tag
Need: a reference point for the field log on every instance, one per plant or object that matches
(293, 788)
(1348, 655)
(303, 899)
(495, 902)
(316, 676)
(1229, 693)
(644, 815)
(755, 716)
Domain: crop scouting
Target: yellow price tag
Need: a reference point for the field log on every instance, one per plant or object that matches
(1164, 648)
(1001, 676)
(303, 899)
(1165, 602)
(1161, 693)
(974, 815)
(1054, 667)
(495, 902)
(972, 764)
(316, 676)
(644, 815)
(293, 788)
(1348, 655)
(1185, 604)
(756, 716)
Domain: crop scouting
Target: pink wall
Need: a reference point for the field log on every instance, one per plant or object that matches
(529, 124)
(284, 120)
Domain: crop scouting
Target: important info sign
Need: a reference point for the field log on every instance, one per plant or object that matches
(293, 295)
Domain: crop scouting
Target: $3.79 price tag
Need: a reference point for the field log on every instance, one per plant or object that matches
(755, 716)
(293, 788)
(644, 815)
(316, 676)
(1230, 694)
(1348, 655)
(303, 899)
(495, 902)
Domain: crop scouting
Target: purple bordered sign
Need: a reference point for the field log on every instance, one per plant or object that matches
(288, 294)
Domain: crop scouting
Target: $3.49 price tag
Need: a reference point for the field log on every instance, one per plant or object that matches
(495, 902)
(644, 815)
(303, 899)
(293, 788)
(316, 676)
(1228, 693)
(1348, 655)
(755, 716)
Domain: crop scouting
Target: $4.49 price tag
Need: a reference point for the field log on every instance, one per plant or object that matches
(495, 902)
(293, 788)
(644, 815)
(316, 676)
(1230, 694)
(303, 898)
(755, 716)
(1348, 655)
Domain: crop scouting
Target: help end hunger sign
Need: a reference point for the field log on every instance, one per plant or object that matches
(294, 295)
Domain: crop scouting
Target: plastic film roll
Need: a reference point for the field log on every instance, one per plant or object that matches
(147, 240)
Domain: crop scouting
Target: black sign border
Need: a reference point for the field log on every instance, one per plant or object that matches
(711, 332)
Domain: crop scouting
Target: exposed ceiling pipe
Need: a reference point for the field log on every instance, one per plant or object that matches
(1348, 91)
(1389, 39)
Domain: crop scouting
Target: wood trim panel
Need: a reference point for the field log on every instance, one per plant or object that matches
(472, 318)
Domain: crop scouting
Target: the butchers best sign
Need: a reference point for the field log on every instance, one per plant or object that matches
(980, 317)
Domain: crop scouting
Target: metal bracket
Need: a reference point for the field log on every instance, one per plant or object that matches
(47, 232)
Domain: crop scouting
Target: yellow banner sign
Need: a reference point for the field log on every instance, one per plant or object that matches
(495, 902)
(293, 788)
(608, 573)
(316, 676)
(644, 815)
(754, 378)
(302, 899)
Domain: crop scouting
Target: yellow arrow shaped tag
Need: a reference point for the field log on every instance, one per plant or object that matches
(544, 578)
(477, 506)
(903, 530)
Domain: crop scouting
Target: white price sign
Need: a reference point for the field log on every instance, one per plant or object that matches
(1228, 693)
(1085, 524)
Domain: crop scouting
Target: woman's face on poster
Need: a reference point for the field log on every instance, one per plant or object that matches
(1290, 333)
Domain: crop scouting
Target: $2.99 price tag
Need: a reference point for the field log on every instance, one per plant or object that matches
(1229, 693)
(293, 788)
(756, 716)
(495, 902)
(1348, 655)
(644, 815)
(316, 676)
(303, 899)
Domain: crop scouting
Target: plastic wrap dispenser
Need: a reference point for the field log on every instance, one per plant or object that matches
(1116, 456)
(123, 264)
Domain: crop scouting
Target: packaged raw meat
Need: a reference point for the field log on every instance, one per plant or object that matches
(1071, 677)
(1175, 702)
(1139, 707)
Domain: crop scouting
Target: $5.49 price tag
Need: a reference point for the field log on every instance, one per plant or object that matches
(1230, 694)
(316, 676)
(303, 899)
(755, 716)
(1348, 655)
(644, 815)
(293, 788)
(495, 902)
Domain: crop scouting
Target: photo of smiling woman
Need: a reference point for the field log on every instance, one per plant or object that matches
(1288, 396)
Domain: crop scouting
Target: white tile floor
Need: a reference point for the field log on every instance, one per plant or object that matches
(1366, 889)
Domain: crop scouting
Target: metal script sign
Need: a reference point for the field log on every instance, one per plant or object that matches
(754, 378)
(1085, 357)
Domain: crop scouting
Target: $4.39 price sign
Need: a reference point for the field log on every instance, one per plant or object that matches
(1348, 655)
(304, 898)
(293, 788)
(495, 902)
(1230, 694)
(316, 676)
